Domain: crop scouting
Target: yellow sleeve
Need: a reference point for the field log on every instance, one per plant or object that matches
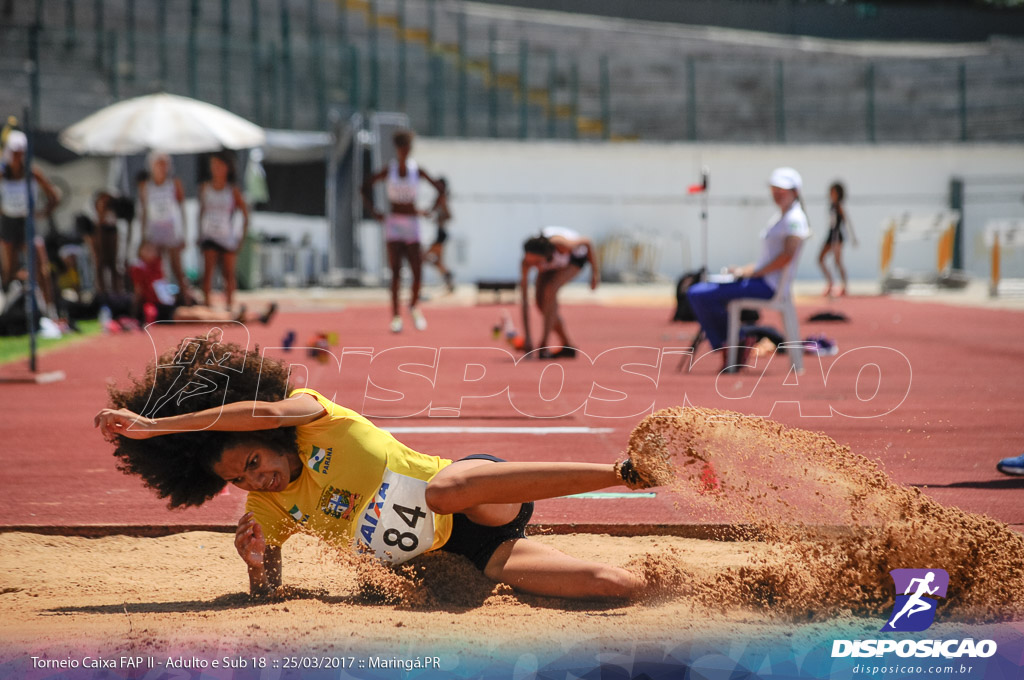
(276, 524)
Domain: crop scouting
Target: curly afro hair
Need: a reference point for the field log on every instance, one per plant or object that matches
(201, 373)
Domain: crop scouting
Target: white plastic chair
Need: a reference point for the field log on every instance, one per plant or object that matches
(782, 302)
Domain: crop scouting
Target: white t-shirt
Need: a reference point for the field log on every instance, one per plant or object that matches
(773, 238)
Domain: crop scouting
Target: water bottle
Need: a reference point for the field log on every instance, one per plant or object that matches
(105, 318)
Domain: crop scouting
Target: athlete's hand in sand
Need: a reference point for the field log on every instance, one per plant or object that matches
(123, 422)
(249, 541)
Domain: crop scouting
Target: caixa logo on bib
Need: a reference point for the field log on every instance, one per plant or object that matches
(917, 594)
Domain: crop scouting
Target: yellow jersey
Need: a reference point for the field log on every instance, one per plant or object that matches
(358, 483)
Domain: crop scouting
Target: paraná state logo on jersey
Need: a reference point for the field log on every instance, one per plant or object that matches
(320, 459)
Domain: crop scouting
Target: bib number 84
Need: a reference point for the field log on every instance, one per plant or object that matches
(406, 541)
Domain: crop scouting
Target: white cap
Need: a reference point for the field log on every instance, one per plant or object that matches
(16, 141)
(786, 178)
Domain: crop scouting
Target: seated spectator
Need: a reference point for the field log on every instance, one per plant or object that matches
(780, 243)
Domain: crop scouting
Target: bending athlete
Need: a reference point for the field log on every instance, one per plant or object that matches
(559, 255)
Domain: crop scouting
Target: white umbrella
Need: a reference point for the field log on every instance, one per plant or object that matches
(161, 122)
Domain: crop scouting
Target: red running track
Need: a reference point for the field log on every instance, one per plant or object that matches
(961, 414)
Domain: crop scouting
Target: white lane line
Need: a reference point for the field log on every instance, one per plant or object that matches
(448, 429)
(604, 495)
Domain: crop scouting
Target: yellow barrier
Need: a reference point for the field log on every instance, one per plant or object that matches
(907, 227)
(1003, 234)
(993, 287)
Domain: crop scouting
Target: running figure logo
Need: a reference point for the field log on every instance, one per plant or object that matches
(914, 609)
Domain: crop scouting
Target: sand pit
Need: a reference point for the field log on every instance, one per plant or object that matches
(829, 526)
(834, 523)
(187, 593)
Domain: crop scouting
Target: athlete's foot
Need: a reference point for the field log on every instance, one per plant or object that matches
(828, 292)
(396, 324)
(418, 319)
(240, 317)
(626, 471)
(448, 282)
(842, 292)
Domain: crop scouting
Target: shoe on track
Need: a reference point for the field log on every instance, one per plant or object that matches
(1011, 466)
(396, 324)
(418, 319)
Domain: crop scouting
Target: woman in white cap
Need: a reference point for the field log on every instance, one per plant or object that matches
(162, 199)
(14, 195)
(780, 243)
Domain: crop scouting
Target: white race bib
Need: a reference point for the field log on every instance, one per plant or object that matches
(397, 525)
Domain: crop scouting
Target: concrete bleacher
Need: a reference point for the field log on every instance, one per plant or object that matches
(663, 81)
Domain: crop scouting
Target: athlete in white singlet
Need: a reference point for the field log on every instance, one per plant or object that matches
(220, 235)
(162, 199)
(401, 225)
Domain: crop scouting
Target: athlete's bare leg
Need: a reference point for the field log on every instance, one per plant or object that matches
(209, 264)
(826, 249)
(547, 302)
(492, 495)
(415, 257)
(395, 249)
(228, 269)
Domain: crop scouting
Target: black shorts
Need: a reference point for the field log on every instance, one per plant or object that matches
(835, 237)
(210, 244)
(477, 542)
(12, 230)
(578, 261)
(442, 236)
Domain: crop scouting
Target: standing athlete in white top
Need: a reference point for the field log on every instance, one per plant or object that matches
(163, 207)
(401, 225)
(220, 236)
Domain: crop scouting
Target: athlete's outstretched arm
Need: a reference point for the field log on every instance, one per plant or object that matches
(263, 561)
(240, 416)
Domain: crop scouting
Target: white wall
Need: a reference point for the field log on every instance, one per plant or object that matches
(503, 191)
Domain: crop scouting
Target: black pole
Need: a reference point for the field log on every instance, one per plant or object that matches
(30, 240)
(956, 202)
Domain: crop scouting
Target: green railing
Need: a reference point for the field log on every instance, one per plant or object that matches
(281, 71)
